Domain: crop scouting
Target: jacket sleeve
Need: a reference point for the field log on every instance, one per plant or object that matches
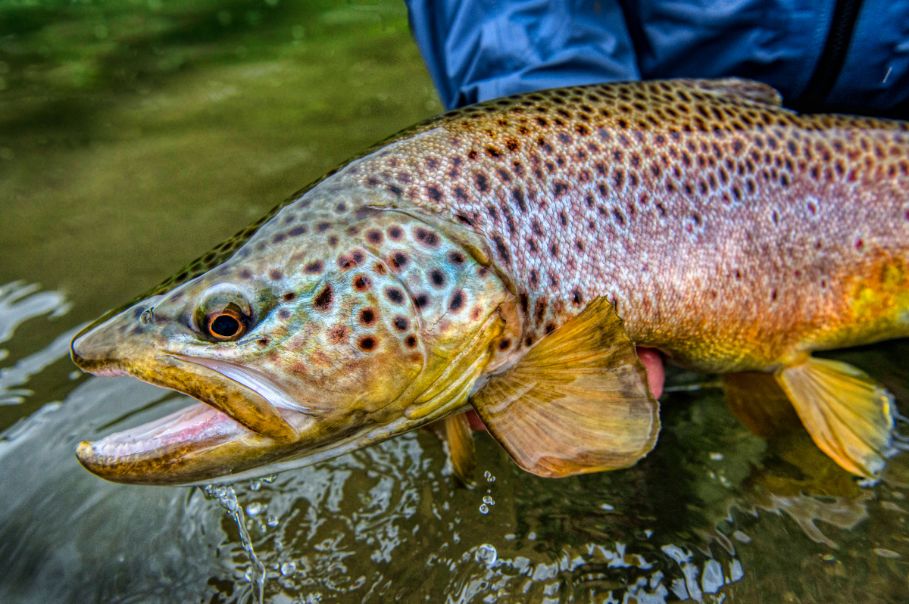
(481, 49)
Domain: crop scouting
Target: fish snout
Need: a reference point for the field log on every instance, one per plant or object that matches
(89, 352)
(99, 347)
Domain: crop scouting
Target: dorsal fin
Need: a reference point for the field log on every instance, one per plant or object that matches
(750, 90)
(578, 402)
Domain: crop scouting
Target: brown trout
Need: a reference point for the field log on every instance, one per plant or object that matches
(509, 257)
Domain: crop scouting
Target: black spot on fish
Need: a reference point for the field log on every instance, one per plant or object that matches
(501, 247)
(323, 300)
(434, 192)
(457, 301)
(482, 182)
(361, 283)
(518, 196)
(437, 277)
(394, 294)
(426, 237)
(398, 260)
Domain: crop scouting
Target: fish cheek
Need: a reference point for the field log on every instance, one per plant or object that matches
(341, 369)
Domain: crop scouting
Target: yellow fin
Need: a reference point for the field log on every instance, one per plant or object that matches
(578, 401)
(758, 401)
(749, 90)
(461, 450)
(847, 414)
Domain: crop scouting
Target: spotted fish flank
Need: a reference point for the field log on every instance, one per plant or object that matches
(476, 254)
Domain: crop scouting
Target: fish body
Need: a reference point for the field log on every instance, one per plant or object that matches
(512, 254)
(730, 233)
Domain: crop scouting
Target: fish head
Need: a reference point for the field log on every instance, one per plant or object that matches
(338, 323)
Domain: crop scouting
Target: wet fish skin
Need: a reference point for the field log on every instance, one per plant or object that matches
(729, 233)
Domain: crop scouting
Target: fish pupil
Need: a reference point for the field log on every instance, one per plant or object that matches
(225, 326)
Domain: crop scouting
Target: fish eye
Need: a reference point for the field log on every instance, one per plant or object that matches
(224, 314)
(226, 324)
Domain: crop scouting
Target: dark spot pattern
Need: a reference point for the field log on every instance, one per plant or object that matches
(323, 300)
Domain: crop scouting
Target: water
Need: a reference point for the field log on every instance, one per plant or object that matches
(133, 136)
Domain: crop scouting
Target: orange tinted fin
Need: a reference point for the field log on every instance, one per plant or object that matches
(758, 401)
(847, 414)
(461, 450)
(578, 402)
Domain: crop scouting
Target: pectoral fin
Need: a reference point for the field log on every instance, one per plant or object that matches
(578, 402)
(847, 414)
(461, 450)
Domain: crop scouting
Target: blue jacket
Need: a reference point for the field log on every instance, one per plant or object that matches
(838, 55)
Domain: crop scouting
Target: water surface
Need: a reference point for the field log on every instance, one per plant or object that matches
(136, 135)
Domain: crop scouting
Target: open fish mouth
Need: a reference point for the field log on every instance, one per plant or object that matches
(241, 420)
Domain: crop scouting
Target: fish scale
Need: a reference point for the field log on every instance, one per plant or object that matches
(720, 225)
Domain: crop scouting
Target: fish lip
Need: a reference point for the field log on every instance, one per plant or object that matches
(250, 379)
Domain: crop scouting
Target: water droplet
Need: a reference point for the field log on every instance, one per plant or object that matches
(488, 476)
(271, 521)
(288, 568)
(255, 508)
(716, 456)
(269, 479)
(249, 575)
(488, 500)
(255, 485)
(486, 554)
(484, 509)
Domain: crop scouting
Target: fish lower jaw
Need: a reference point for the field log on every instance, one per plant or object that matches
(191, 428)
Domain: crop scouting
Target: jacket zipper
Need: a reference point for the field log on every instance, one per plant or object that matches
(832, 57)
